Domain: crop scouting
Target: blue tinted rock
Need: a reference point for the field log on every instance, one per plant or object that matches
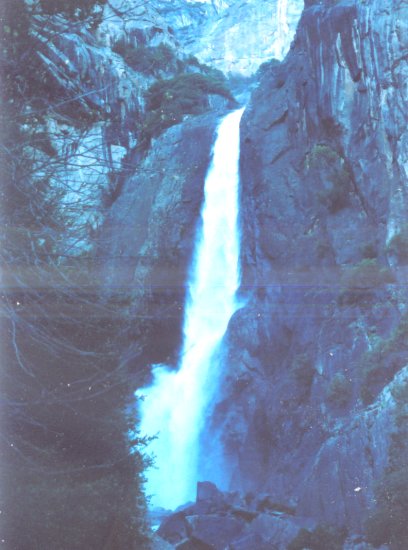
(174, 528)
(216, 531)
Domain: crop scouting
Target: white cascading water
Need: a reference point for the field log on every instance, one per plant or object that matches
(174, 406)
(283, 35)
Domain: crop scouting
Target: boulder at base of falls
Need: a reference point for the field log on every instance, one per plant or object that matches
(234, 521)
(220, 520)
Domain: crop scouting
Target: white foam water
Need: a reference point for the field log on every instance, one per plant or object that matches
(174, 406)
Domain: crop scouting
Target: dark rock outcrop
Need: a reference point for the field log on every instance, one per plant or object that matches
(324, 193)
(218, 520)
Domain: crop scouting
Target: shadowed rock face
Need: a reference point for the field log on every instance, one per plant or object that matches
(219, 520)
(148, 237)
(324, 191)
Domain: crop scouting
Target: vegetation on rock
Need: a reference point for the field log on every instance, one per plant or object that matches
(379, 365)
(182, 86)
(77, 9)
(70, 476)
(149, 60)
(361, 281)
(167, 101)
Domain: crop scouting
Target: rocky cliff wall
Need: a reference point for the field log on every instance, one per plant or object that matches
(307, 411)
(90, 111)
(148, 237)
(235, 37)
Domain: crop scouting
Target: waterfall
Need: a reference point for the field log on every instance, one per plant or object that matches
(174, 406)
(283, 38)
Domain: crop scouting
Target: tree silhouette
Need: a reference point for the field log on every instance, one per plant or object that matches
(71, 478)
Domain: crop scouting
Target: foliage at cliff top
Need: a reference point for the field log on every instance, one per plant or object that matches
(186, 92)
(182, 85)
(74, 9)
(149, 60)
(167, 101)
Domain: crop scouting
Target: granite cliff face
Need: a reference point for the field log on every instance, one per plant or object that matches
(235, 37)
(93, 103)
(308, 410)
(98, 96)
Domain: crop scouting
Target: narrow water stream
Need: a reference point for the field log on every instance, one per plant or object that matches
(174, 406)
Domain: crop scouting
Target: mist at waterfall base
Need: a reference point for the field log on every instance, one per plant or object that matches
(175, 406)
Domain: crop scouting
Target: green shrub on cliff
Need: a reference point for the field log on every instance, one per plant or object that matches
(380, 364)
(368, 273)
(167, 101)
(186, 92)
(321, 154)
(148, 59)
